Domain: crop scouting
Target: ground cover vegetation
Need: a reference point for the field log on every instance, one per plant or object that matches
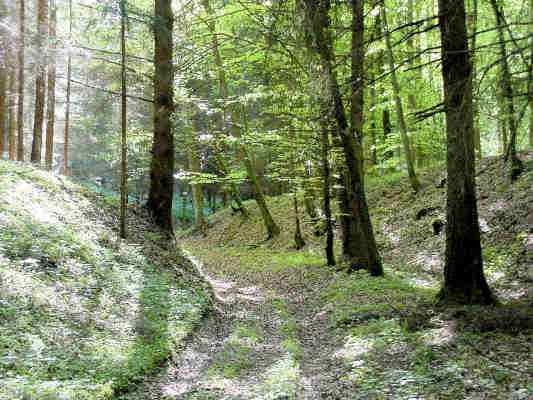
(297, 199)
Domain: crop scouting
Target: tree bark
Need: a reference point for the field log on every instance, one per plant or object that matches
(514, 164)
(326, 179)
(51, 96)
(66, 137)
(530, 80)
(299, 241)
(4, 77)
(464, 281)
(124, 127)
(477, 131)
(20, 81)
(197, 189)
(40, 85)
(162, 165)
(415, 184)
(12, 128)
(3, 98)
(359, 246)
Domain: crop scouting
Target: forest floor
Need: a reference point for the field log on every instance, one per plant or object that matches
(83, 314)
(288, 327)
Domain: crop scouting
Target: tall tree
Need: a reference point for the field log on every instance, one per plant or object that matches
(195, 167)
(223, 92)
(413, 179)
(326, 179)
(359, 246)
(530, 78)
(4, 76)
(20, 80)
(235, 129)
(464, 281)
(162, 165)
(66, 136)
(473, 35)
(514, 164)
(12, 128)
(40, 80)
(51, 95)
(123, 120)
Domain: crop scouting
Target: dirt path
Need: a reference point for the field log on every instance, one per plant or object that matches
(267, 340)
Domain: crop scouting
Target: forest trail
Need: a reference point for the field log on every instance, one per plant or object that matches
(267, 339)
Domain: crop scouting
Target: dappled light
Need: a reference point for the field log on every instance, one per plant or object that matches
(266, 200)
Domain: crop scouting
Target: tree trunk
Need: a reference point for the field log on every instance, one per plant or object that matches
(326, 179)
(358, 80)
(223, 92)
(477, 131)
(373, 124)
(197, 189)
(66, 137)
(51, 97)
(162, 165)
(464, 281)
(40, 72)
(124, 131)
(415, 184)
(299, 241)
(359, 246)
(4, 77)
(20, 81)
(515, 166)
(12, 129)
(3, 98)
(271, 227)
(530, 80)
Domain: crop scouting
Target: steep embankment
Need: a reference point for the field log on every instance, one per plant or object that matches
(289, 327)
(83, 314)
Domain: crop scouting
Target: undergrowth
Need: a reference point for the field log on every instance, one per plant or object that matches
(84, 315)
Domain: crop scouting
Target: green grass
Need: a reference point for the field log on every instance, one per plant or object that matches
(84, 314)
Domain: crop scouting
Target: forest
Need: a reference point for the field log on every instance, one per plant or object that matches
(266, 199)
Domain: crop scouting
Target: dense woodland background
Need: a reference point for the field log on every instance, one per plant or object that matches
(232, 122)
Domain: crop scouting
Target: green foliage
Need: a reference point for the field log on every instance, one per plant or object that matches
(84, 314)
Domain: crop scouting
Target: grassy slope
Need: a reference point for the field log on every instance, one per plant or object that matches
(395, 342)
(83, 315)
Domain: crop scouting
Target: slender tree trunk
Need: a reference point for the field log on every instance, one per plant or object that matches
(373, 124)
(124, 128)
(501, 121)
(12, 129)
(20, 81)
(271, 227)
(162, 165)
(51, 98)
(412, 52)
(299, 241)
(359, 246)
(4, 77)
(387, 130)
(415, 184)
(358, 80)
(464, 281)
(530, 80)
(42, 28)
(197, 189)
(66, 137)
(477, 131)
(326, 176)
(514, 164)
(223, 92)
(3, 98)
